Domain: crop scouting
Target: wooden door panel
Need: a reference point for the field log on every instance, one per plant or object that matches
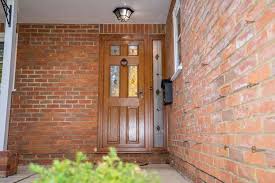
(122, 127)
(131, 102)
(123, 124)
(113, 125)
(132, 126)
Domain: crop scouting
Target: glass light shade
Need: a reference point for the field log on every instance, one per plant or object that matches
(123, 14)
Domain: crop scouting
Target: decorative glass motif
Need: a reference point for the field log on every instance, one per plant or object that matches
(115, 50)
(114, 81)
(157, 92)
(157, 57)
(133, 50)
(132, 81)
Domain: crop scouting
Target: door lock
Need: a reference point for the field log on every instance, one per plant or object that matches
(140, 94)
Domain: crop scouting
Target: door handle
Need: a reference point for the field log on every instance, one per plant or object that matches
(140, 94)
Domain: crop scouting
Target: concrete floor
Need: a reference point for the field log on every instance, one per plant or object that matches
(166, 173)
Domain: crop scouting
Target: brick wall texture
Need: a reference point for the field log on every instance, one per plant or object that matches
(222, 122)
(54, 107)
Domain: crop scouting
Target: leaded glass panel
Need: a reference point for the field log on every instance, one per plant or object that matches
(132, 81)
(114, 81)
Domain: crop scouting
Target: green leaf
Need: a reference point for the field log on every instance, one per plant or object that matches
(110, 170)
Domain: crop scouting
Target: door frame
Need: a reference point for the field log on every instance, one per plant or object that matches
(148, 85)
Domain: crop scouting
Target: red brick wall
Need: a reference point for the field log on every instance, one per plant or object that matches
(224, 99)
(8, 163)
(54, 108)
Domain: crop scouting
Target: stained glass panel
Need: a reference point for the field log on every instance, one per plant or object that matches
(132, 81)
(115, 50)
(132, 50)
(114, 81)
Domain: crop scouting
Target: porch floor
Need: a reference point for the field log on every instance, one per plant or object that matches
(166, 173)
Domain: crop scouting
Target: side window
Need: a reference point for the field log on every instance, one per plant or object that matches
(177, 38)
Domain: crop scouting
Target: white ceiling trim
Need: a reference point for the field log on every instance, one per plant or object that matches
(90, 11)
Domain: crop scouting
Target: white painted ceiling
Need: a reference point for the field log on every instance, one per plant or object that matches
(89, 11)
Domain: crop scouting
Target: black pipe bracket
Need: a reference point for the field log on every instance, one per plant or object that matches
(8, 11)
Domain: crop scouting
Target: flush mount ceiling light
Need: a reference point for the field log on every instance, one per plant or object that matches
(123, 14)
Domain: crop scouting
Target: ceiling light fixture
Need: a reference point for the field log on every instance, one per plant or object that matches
(123, 14)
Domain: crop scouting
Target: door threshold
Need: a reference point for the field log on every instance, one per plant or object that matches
(126, 152)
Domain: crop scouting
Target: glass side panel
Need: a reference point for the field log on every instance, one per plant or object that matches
(132, 81)
(115, 50)
(133, 50)
(1, 58)
(114, 81)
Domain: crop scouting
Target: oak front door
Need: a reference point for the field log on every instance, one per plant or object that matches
(123, 118)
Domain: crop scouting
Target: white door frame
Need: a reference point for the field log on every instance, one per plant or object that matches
(9, 58)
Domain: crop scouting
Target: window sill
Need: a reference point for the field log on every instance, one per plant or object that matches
(177, 73)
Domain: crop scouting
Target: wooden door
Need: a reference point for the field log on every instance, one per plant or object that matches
(123, 119)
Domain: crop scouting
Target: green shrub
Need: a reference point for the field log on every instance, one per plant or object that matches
(110, 170)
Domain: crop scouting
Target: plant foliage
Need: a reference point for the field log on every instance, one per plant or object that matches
(110, 170)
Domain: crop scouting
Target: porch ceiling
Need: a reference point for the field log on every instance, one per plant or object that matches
(89, 11)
